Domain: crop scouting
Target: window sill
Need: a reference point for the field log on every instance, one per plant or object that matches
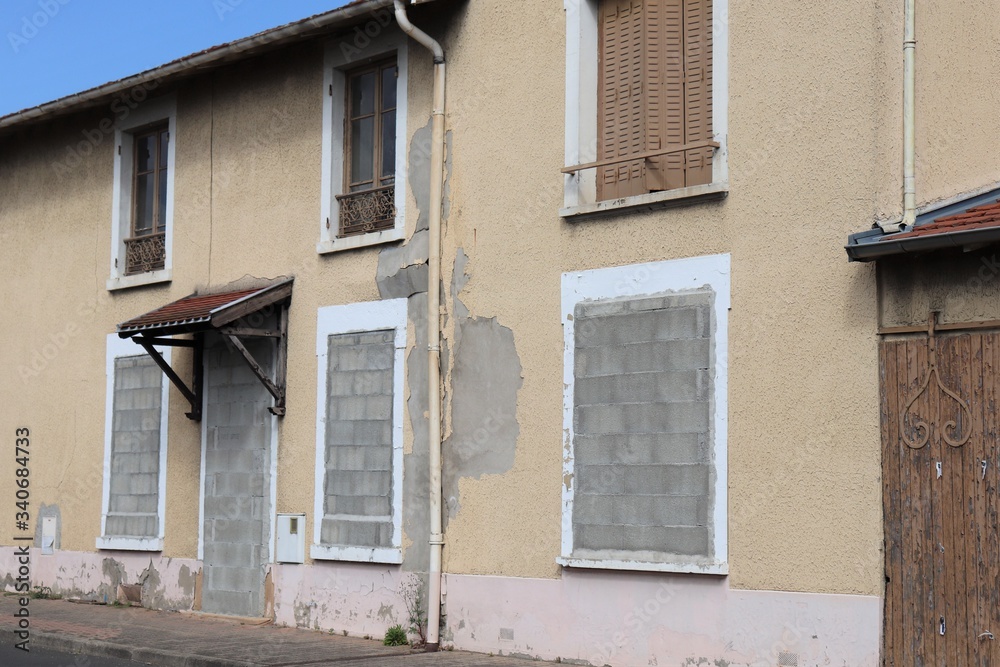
(715, 568)
(361, 240)
(387, 555)
(152, 278)
(649, 202)
(130, 544)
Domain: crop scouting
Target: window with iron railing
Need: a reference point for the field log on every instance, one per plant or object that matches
(145, 249)
(368, 203)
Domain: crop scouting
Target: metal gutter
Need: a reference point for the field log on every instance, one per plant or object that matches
(873, 243)
(212, 57)
(866, 252)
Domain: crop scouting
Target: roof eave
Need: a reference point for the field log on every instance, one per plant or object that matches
(214, 56)
(867, 252)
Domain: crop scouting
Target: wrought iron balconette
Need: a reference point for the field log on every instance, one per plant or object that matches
(367, 211)
(145, 253)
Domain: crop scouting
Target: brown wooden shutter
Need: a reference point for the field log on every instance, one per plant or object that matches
(665, 97)
(621, 114)
(655, 87)
(698, 89)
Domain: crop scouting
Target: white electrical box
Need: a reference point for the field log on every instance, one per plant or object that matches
(48, 535)
(291, 542)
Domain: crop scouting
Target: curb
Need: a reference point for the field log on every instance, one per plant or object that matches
(102, 649)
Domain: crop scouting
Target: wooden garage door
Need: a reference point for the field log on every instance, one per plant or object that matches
(940, 472)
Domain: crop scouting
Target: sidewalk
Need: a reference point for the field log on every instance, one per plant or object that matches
(174, 639)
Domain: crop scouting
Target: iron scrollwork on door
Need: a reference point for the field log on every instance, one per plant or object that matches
(921, 426)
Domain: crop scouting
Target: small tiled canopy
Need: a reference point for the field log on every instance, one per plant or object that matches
(198, 313)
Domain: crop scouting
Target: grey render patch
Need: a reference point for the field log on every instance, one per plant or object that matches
(402, 270)
(416, 476)
(114, 573)
(420, 174)
(48, 511)
(644, 478)
(485, 379)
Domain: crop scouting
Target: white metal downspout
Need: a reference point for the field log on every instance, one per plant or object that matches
(909, 114)
(909, 120)
(433, 321)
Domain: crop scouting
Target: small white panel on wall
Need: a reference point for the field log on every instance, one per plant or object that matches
(48, 535)
(291, 537)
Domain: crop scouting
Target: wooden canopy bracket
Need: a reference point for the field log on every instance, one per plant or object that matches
(192, 394)
(275, 387)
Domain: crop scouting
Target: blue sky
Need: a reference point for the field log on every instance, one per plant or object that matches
(53, 48)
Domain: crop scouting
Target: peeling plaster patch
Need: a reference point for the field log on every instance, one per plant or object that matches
(459, 279)
(416, 519)
(485, 381)
(153, 592)
(187, 581)
(269, 594)
(199, 583)
(419, 174)
(402, 270)
(386, 612)
(116, 576)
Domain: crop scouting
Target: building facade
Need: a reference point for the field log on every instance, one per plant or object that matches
(664, 429)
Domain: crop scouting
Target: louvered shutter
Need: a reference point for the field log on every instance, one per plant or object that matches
(655, 87)
(622, 104)
(665, 98)
(698, 89)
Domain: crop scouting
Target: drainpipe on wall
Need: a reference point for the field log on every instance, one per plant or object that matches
(433, 321)
(909, 121)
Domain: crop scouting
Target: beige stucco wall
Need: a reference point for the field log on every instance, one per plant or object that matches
(803, 438)
(810, 163)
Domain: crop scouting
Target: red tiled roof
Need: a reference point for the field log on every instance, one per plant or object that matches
(189, 310)
(980, 217)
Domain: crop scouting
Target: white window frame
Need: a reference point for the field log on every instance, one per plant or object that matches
(149, 112)
(640, 280)
(361, 318)
(116, 349)
(340, 57)
(580, 189)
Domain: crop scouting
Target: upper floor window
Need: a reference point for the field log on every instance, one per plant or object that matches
(646, 118)
(364, 143)
(370, 151)
(142, 210)
(145, 249)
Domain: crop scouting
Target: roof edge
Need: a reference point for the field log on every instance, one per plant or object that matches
(201, 59)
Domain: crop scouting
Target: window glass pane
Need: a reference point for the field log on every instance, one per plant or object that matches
(163, 150)
(362, 149)
(363, 94)
(388, 144)
(145, 148)
(389, 87)
(161, 202)
(143, 222)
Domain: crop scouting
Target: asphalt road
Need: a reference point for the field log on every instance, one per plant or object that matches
(12, 657)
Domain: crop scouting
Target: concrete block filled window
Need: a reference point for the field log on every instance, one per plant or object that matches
(645, 416)
(135, 449)
(359, 434)
(143, 191)
(364, 142)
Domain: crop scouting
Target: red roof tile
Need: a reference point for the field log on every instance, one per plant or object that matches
(980, 217)
(189, 310)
